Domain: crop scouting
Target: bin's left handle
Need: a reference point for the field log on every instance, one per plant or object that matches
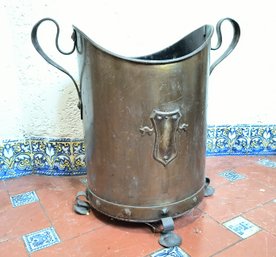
(49, 60)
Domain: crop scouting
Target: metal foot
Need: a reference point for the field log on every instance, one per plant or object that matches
(168, 238)
(208, 190)
(82, 207)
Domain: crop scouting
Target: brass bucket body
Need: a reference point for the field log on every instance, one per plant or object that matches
(145, 126)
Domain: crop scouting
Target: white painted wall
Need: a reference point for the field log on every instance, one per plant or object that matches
(37, 100)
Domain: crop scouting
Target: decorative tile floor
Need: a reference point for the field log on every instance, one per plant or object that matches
(170, 252)
(40, 239)
(231, 175)
(24, 198)
(218, 227)
(242, 227)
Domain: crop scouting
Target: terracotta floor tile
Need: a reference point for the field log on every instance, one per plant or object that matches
(21, 220)
(257, 163)
(4, 201)
(188, 218)
(261, 244)
(236, 198)
(212, 172)
(215, 165)
(2, 185)
(26, 183)
(109, 241)
(13, 248)
(202, 236)
(230, 162)
(269, 157)
(58, 205)
(262, 174)
(264, 216)
(36, 182)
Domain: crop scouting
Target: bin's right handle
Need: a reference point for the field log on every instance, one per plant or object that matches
(49, 60)
(233, 43)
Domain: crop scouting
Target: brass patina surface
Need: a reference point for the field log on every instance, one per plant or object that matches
(145, 125)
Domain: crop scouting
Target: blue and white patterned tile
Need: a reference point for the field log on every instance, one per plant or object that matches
(242, 227)
(41, 239)
(48, 156)
(15, 158)
(58, 157)
(51, 155)
(78, 154)
(231, 175)
(267, 163)
(241, 140)
(170, 252)
(24, 198)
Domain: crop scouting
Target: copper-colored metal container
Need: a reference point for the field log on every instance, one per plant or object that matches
(145, 124)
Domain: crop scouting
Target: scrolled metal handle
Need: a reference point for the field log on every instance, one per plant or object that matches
(234, 42)
(48, 59)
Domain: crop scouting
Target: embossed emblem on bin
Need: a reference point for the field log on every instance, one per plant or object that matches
(165, 126)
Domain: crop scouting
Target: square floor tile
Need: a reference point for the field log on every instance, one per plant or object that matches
(58, 205)
(16, 222)
(242, 227)
(13, 248)
(202, 236)
(41, 239)
(231, 175)
(262, 244)
(234, 199)
(170, 252)
(264, 216)
(24, 198)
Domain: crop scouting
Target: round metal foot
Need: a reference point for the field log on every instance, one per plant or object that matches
(208, 190)
(82, 207)
(170, 239)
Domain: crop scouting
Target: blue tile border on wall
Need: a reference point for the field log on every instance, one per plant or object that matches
(53, 157)
(15, 158)
(66, 157)
(241, 140)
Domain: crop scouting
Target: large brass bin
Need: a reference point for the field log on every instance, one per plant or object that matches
(145, 124)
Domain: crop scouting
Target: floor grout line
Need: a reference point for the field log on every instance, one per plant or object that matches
(45, 213)
(227, 247)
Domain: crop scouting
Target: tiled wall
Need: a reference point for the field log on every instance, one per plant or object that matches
(66, 157)
(241, 140)
(55, 157)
